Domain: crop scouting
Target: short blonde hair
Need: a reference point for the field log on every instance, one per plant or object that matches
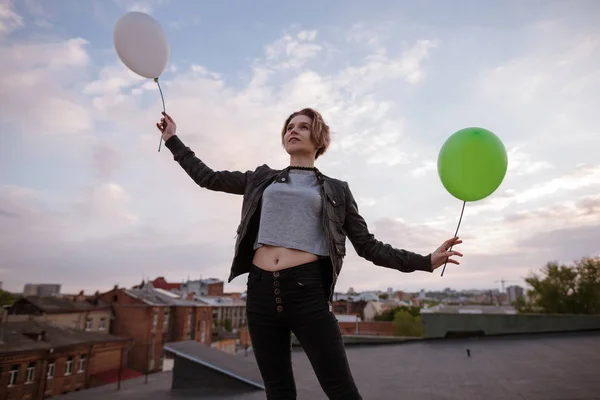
(319, 130)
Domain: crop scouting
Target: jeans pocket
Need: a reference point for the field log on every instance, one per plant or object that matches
(311, 282)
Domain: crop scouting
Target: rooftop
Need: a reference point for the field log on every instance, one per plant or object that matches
(220, 301)
(149, 295)
(547, 366)
(23, 336)
(51, 304)
(470, 309)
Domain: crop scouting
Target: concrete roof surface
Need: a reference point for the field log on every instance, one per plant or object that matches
(548, 367)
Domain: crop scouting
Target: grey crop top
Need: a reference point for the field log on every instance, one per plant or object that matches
(291, 215)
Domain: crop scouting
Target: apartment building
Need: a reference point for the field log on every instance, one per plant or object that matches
(153, 317)
(41, 289)
(41, 359)
(82, 315)
(227, 312)
(203, 287)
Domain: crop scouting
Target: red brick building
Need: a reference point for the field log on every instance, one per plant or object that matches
(161, 283)
(372, 328)
(349, 306)
(153, 317)
(42, 359)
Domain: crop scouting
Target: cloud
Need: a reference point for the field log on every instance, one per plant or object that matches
(123, 211)
(293, 51)
(95, 241)
(36, 79)
(230, 127)
(582, 177)
(145, 6)
(508, 245)
(9, 19)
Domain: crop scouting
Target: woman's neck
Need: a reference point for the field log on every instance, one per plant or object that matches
(299, 161)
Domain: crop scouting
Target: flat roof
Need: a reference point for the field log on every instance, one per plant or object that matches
(18, 336)
(543, 366)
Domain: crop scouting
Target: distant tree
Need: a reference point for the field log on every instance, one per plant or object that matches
(407, 324)
(383, 296)
(389, 315)
(7, 298)
(563, 289)
(227, 325)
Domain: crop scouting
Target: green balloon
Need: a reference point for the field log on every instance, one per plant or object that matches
(472, 164)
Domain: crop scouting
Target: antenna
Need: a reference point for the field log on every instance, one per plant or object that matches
(503, 281)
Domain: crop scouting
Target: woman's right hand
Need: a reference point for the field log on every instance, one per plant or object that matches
(167, 126)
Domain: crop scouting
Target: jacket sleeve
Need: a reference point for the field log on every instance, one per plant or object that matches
(233, 182)
(371, 249)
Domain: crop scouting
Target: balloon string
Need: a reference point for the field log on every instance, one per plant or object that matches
(456, 233)
(163, 104)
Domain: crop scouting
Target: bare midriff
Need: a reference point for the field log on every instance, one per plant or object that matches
(272, 258)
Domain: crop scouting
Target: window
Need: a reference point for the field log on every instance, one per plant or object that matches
(155, 320)
(29, 378)
(102, 325)
(13, 375)
(69, 366)
(51, 368)
(162, 362)
(151, 364)
(166, 321)
(190, 327)
(82, 360)
(88, 324)
(203, 334)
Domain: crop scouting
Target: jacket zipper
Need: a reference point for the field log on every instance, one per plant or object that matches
(332, 247)
(253, 208)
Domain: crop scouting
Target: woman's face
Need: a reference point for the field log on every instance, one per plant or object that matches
(297, 136)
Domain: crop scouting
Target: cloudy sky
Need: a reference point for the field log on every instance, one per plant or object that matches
(87, 201)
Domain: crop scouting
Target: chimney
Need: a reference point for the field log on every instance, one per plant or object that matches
(190, 296)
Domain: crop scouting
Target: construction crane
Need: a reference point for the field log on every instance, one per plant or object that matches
(503, 281)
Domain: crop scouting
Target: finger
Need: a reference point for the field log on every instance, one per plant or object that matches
(448, 244)
(448, 261)
(447, 254)
(454, 239)
(160, 128)
(168, 117)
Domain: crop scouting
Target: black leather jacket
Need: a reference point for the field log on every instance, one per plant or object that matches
(340, 216)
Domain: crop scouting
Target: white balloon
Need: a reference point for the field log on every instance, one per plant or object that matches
(141, 44)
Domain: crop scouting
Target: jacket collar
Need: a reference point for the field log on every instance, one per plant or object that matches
(284, 175)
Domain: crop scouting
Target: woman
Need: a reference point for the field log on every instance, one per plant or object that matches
(291, 241)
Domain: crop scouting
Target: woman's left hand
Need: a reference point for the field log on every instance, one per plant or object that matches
(438, 257)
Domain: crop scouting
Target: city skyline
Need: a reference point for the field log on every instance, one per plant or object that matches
(483, 290)
(86, 199)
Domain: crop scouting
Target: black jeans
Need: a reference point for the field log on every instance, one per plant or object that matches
(294, 300)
